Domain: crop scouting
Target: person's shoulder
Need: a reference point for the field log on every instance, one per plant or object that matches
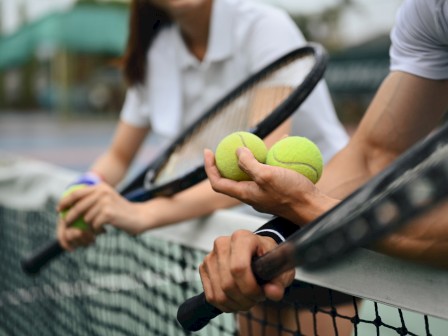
(164, 35)
(421, 23)
(424, 12)
(163, 41)
(417, 5)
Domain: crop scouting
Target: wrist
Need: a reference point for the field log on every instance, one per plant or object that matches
(88, 178)
(313, 206)
(279, 229)
(97, 174)
(151, 214)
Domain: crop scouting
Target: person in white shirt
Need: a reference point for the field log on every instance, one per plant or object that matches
(410, 103)
(181, 57)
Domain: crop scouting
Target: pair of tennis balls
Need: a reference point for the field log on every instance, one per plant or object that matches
(296, 153)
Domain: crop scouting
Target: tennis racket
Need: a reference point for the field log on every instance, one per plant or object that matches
(259, 105)
(414, 184)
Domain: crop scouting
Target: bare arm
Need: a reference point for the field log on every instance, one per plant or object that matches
(101, 204)
(405, 109)
(114, 163)
(197, 201)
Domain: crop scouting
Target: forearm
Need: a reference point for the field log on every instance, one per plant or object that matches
(111, 169)
(194, 202)
(396, 119)
(423, 240)
(340, 179)
(114, 163)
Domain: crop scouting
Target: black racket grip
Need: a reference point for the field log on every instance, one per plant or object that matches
(195, 313)
(36, 260)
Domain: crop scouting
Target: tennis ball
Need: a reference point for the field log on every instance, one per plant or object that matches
(299, 154)
(78, 223)
(227, 160)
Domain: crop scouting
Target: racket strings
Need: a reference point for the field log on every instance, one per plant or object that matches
(242, 112)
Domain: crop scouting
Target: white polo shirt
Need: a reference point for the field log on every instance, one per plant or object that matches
(244, 37)
(420, 39)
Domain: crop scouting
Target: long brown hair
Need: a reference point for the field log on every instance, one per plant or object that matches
(145, 22)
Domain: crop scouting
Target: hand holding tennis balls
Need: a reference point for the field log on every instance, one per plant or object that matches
(296, 153)
(227, 160)
(299, 154)
(79, 222)
(87, 179)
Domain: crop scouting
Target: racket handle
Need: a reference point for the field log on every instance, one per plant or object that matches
(195, 313)
(36, 260)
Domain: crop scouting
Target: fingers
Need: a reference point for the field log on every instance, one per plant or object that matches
(275, 289)
(227, 275)
(217, 182)
(70, 199)
(60, 232)
(210, 166)
(96, 217)
(76, 202)
(248, 163)
(81, 203)
(220, 184)
(244, 246)
(93, 205)
(72, 238)
(211, 281)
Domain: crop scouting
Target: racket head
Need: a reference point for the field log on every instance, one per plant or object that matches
(288, 81)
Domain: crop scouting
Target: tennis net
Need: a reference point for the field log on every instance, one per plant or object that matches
(127, 285)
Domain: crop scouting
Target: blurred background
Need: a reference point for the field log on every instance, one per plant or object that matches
(61, 88)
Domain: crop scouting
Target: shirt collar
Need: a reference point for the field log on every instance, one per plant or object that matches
(220, 40)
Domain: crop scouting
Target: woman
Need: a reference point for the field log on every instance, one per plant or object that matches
(181, 57)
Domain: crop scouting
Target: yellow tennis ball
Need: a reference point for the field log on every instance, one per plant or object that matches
(78, 223)
(227, 160)
(299, 154)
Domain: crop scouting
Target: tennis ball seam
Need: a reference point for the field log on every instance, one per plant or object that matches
(242, 140)
(289, 163)
(226, 156)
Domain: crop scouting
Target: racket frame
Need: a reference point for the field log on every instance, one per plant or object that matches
(138, 190)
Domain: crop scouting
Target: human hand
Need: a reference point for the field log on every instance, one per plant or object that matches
(273, 190)
(98, 205)
(227, 277)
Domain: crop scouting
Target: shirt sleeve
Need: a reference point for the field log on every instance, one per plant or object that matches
(135, 109)
(419, 39)
(278, 229)
(272, 36)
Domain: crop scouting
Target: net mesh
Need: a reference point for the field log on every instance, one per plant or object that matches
(127, 285)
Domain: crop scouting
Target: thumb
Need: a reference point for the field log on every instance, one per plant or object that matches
(275, 289)
(247, 162)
